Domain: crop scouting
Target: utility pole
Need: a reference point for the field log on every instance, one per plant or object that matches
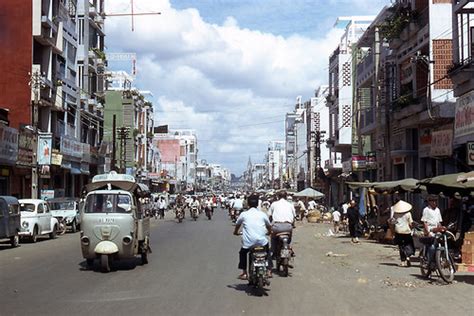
(123, 135)
(36, 83)
(114, 140)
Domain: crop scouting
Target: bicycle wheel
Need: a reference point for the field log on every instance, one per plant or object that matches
(445, 265)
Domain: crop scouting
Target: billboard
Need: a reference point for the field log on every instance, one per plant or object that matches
(169, 150)
(44, 148)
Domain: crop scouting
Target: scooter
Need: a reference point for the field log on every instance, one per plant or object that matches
(258, 267)
(179, 214)
(209, 213)
(194, 213)
(283, 252)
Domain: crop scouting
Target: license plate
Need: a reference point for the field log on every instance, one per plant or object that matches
(285, 253)
(260, 264)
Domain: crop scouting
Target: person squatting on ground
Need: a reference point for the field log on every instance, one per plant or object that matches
(255, 227)
(402, 220)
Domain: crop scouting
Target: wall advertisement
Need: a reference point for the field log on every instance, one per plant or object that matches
(45, 141)
(464, 115)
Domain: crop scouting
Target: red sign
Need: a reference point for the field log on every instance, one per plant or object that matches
(169, 150)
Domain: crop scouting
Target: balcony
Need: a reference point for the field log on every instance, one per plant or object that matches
(365, 68)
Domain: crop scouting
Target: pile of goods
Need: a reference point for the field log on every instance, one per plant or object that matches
(467, 249)
(314, 216)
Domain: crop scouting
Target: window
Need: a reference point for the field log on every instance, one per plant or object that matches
(108, 203)
(40, 209)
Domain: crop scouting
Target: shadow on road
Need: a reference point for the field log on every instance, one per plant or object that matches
(122, 265)
(249, 290)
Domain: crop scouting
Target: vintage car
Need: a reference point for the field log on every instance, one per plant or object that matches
(37, 220)
(10, 219)
(66, 209)
(114, 225)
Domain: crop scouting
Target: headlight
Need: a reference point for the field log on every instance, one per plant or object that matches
(85, 240)
(127, 240)
(25, 224)
(69, 219)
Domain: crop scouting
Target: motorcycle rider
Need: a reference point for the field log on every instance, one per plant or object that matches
(162, 206)
(238, 204)
(255, 226)
(194, 204)
(282, 214)
(180, 204)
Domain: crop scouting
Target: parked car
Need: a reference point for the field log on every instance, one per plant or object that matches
(37, 220)
(66, 209)
(10, 219)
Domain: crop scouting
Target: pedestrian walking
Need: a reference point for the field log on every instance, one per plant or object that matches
(354, 222)
(403, 221)
(336, 219)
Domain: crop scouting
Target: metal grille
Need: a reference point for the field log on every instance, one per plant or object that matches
(346, 116)
(346, 74)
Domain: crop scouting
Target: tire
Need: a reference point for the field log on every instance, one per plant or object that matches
(90, 263)
(260, 282)
(73, 227)
(424, 265)
(180, 219)
(285, 271)
(15, 241)
(445, 265)
(34, 236)
(53, 234)
(144, 258)
(105, 263)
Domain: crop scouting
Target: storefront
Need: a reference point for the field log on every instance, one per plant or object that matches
(8, 156)
(21, 180)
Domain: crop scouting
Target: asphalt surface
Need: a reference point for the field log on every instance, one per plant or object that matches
(193, 270)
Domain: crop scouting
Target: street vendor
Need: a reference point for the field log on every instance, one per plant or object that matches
(403, 221)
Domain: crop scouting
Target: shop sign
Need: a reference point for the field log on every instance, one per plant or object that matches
(85, 168)
(424, 143)
(71, 147)
(347, 166)
(45, 141)
(359, 163)
(441, 143)
(25, 148)
(47, 194)
(56, 159)
(8, 144)
(470, 153)
(464, 115)
(371, 160)
(45, 172)
(399, 160)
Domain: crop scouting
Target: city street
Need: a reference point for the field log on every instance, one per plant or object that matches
(192, 271)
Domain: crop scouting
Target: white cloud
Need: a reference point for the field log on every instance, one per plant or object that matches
(219, 79)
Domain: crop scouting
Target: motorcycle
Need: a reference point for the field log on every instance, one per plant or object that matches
(443, 261)
(179, 214)
(283, 251)
(258, 266)
(62, 225)
(194, 213)
(209, 212)
(234, 214)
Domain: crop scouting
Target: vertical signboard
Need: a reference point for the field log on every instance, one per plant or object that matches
(470, 153)
(45, 141)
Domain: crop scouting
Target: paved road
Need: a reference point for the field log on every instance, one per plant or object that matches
(192, 271)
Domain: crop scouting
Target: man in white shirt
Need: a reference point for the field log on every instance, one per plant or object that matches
(255, 226)
(431, 216)
(312, 205)
(336, 218)
(282, 214)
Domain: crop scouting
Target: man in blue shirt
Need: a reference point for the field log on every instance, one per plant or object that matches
(255, 227)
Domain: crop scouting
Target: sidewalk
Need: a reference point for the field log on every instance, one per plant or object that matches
(366, 278)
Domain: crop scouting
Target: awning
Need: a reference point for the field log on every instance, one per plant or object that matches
(75, 171)
(409, 184)
(448, 184)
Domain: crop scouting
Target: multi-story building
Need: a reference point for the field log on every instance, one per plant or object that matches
(318, 130)
(340, 101)
(133, 116)
(178, 158)
(275, 162)
(461, 74)
(420, 98)
(43, 48)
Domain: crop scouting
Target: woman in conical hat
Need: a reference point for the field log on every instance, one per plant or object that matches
(403, 221)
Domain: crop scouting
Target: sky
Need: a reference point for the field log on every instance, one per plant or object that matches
(230, 69)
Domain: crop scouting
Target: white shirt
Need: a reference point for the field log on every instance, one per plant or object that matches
(254, 228)
(402, 225)
(345, 206)
(282, 211)
(238, 204)
(432, 217)
(312, 205)
(336, 216)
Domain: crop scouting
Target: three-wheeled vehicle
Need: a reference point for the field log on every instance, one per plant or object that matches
(10, 219)
(113, 222)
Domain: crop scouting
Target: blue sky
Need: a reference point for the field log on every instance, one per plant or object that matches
(230, 69)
